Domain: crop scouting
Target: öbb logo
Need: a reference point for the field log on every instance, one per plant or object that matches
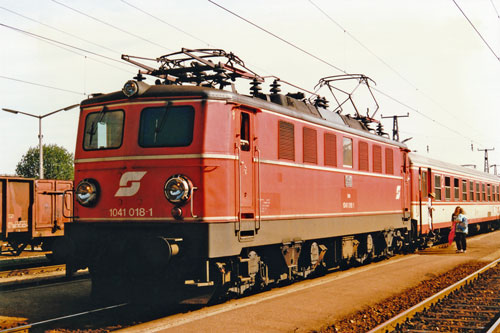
(130, 183)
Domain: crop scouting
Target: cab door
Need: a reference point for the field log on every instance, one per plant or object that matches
(246, 171)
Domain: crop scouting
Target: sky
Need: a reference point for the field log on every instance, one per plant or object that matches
(424, 57)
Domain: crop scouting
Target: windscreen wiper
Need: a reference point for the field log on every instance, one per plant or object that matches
(159, 126)
(93, 128)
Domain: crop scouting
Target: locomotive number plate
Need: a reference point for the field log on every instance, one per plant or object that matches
(131, 212)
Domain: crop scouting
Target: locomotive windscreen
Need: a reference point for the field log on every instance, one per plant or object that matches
(166, 126)
(103, 130)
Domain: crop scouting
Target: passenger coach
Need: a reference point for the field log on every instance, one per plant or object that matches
(477, 192)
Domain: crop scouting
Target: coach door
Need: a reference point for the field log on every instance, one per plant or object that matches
(423, 194)
(247, 175)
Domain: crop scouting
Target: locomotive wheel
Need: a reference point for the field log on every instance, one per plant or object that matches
(365, 250)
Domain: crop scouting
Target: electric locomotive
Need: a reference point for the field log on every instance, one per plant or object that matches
(187, 185)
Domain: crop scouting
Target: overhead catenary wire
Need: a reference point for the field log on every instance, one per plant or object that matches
(278, 37)
(475, 29)
(495, 8)
(394, 71)
(111, 25)
(362, 45)
(37, 36)
(333, 66)
(293, 45)
(42, 85)
(165, 22)
(59, 30)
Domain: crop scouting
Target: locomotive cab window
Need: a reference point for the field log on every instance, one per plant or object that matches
(245, 131)
(167, 126)
(103, 130)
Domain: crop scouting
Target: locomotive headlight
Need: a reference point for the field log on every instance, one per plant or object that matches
(87, 192)
(130, 88)
(178, 189)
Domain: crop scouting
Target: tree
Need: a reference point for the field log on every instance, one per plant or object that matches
(57, 163)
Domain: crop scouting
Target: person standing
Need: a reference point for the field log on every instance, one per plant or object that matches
(430, 209)
(454, 221)
(461, 230)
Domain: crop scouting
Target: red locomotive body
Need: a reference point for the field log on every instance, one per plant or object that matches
(182, 185)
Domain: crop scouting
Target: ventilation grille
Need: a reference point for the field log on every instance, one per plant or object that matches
(389, 161)
(310, 145)
(330, 149)
(363, 156)
(286, 143)
(377, 159)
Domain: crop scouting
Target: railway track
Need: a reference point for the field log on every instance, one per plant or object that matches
(19, 272)
(47, 324)
(470, 305)
(35, 276)
(7, 263)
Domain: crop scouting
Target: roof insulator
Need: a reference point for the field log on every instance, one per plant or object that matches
(321, 102)
(275, 87)
(255, 87)
(139, 77)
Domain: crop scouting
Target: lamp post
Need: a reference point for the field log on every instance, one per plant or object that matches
(40, 147)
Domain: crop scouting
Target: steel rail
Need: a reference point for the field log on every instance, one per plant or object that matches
(30, 270)
(495, 328)
(392, 323)
(25, 328)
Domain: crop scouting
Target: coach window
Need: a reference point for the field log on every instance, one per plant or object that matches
(347, 148)
(483, 197)
(447, 188)
(424, 187)
(498, 193)
(489, 192)
(103, 129)
(464, 190)
(166, 126)
(478, 192)
(471, 191)
(437, 186)
(456, 189)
